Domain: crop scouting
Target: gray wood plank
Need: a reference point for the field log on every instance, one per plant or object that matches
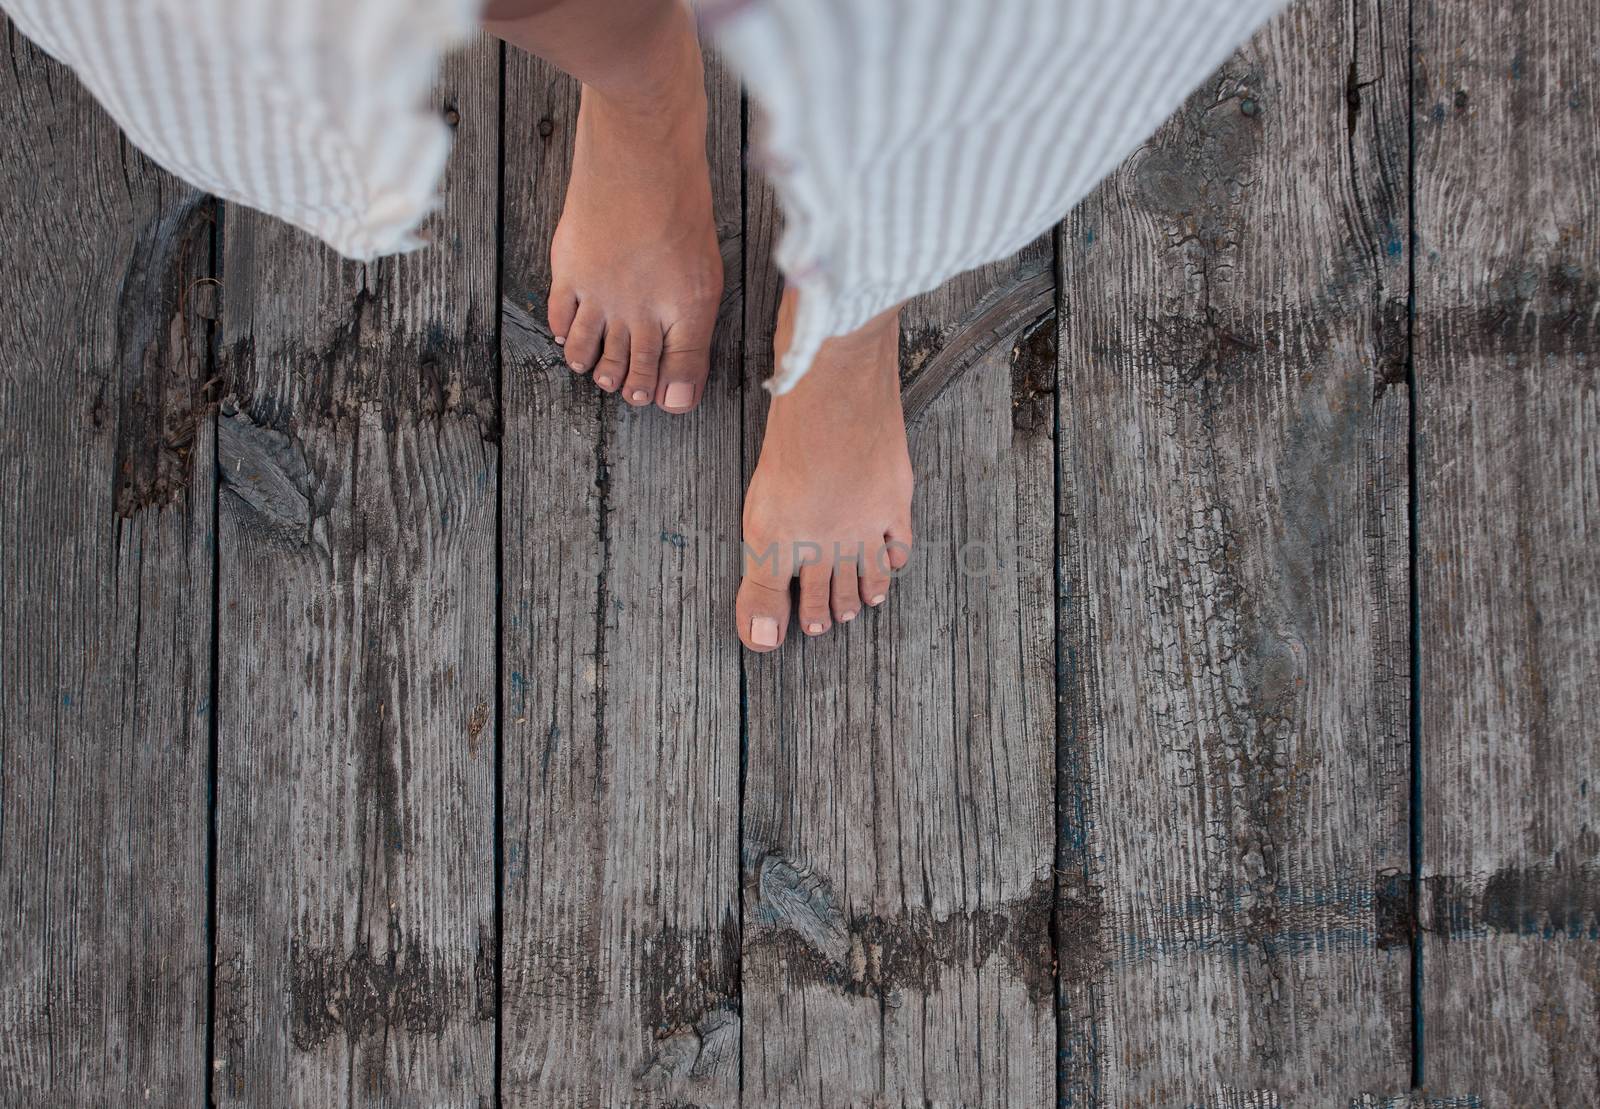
(105, 608)
(1508, 475)
(899, 770)
(1233, 541)
(621, 677)
(356, 780)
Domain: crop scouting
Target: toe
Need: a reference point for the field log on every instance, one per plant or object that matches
(814, 616)
(874, 583)
(685, 359)
(583, 337)
(560, 311)
(846, 594)
(613, 366)
(644, 362)
(763, 614)
(897, 546)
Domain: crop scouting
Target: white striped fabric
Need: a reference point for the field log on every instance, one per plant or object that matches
(312, 110)
(908, 140)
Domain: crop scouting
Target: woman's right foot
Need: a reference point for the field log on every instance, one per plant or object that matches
(830, 500)
(637, 274)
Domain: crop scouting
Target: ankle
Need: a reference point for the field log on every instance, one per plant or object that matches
(861, 366)
(850, 394)
(659, 74)
(642, 56)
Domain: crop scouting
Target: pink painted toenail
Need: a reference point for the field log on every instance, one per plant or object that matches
(764, 631)
(640, 394)
(680, 394)
(878, 600)
(846, 617)
(561, 340)
(814, 628)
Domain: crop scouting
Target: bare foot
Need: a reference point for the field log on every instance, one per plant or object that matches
(830, 501)
(637, 272)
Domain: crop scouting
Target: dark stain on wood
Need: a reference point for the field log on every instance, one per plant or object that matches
(405, 379)
(486, 975)
(1538, 901)
(162, 339)
(357, 993)
(1393, 341)
(683, 975)
(1196, 174)
(1394, 920)
(1538, 308)
(475, 725)
(868, 955)
(1033, 377)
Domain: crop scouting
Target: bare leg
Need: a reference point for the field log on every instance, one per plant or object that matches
(830, 500)
(637, 272)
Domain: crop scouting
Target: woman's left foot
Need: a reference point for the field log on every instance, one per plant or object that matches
(830, 501)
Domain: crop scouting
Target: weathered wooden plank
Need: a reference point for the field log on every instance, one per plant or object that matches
(356, 781)
(621, 677)
(898, 796)
(1508, 479)
(105, 608)
(1233, 545)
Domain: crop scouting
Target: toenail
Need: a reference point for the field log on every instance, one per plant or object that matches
(764, 631)
(680, 394)
(846, 617)
(561, 340)
(640, 394)
(577, 367)
(814, 628)
(603, 382)
(878, 600)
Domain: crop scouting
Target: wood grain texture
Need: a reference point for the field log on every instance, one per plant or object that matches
(898, 795)
(105, 608)
(355, 792)
(1508, 434)
(621, 677)
(1233, 541)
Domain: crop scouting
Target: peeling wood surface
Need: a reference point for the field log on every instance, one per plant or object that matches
(356, 647)
(1113, 799)
(898, 793)
(1507, 352)
(1234, 588)
(620, 678)
(105, 608)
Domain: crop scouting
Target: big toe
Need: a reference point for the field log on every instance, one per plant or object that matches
(684, 366)
(762, 611)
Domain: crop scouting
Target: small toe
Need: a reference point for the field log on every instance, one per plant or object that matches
(897, 547)
(814, 616)
(874, 583)
(560, 310)
(613, 366)
(762, 612)
(644, 362)
(583, 338)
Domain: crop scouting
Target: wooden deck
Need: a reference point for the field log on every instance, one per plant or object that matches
(374, 732)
